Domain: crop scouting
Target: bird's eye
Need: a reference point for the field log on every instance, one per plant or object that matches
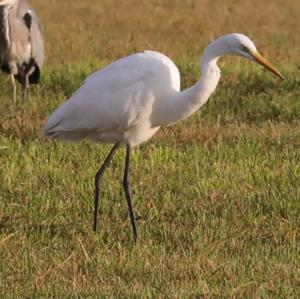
(245, 49)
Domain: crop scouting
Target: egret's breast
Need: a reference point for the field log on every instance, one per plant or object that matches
(139, 134)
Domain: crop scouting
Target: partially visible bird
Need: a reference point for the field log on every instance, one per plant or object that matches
(21, 44)
(129, 100)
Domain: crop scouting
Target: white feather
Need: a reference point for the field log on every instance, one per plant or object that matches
(117, 100)
(130, 99)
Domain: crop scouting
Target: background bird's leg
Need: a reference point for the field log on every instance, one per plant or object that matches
(98, 179)
(25, 88)
(128, 192)
(13, 81)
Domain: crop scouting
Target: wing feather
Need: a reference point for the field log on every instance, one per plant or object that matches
(113, 99)
(36, 38)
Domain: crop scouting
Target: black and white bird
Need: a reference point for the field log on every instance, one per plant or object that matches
(21, 44)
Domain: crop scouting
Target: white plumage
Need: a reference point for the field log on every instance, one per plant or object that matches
(118, 101)
(130, 99)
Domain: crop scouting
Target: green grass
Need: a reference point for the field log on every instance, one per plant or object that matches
(217, 195)
(217, 198)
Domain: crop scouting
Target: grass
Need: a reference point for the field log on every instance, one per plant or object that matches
(217, 195)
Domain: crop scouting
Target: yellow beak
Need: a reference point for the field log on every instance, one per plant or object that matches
(265, 63)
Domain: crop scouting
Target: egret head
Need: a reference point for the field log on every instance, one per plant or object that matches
(241, 45)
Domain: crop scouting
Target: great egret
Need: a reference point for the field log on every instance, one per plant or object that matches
(129, 100)
(21, 44)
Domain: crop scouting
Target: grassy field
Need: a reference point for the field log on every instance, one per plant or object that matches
(217, 195)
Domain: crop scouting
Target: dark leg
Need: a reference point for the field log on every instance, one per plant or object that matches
(98, 179)
(128, 193)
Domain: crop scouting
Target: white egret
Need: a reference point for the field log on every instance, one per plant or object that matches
(127, 102)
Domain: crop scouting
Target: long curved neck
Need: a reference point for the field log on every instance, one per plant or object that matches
(5, 29)
(184, 103)
(2, 28)
(10, 15)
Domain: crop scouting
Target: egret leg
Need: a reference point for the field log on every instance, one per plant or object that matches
(128, 193)
(98, 179)
(13, 81)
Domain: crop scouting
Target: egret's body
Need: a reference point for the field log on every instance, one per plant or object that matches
(129, 100)
(128, 90)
